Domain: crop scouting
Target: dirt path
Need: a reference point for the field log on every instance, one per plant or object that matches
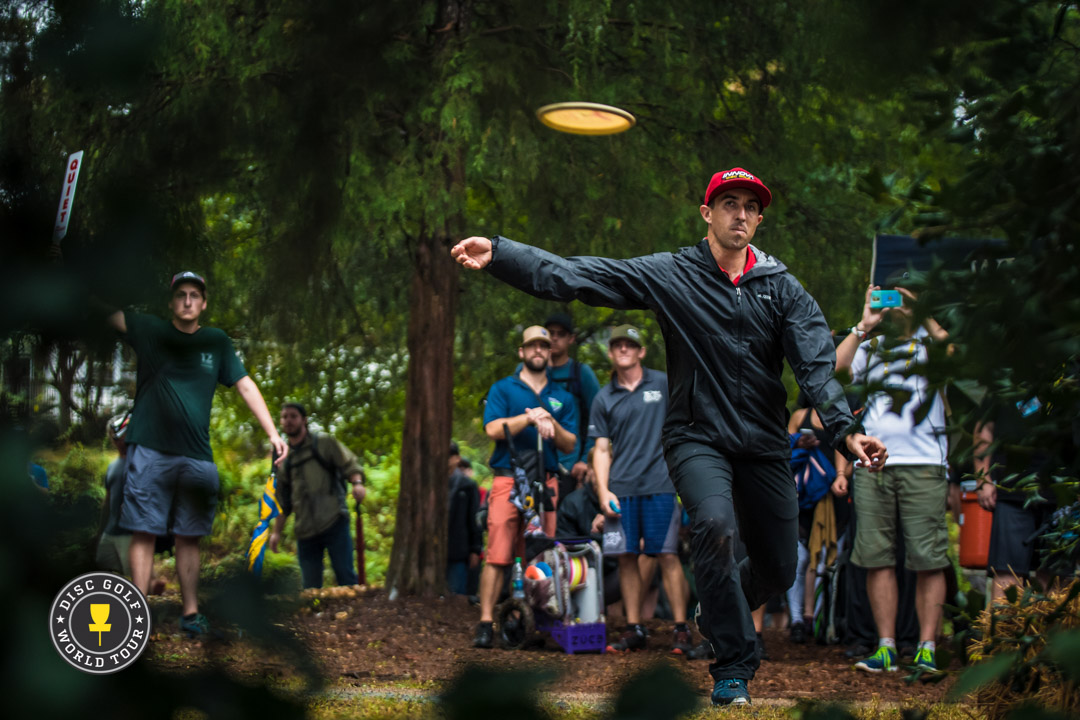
(369, 644)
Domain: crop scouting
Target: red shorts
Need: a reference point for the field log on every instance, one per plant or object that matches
(506, 536)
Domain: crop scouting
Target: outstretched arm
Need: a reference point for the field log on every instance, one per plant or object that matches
(601, 282)
(254, 399)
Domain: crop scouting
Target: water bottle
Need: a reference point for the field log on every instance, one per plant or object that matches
(517, 580)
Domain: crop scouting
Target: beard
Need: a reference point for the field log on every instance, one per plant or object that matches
(536, 364)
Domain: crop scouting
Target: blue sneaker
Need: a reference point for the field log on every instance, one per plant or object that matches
(924, 660)
(883, 660)
(194, 626)
(730, 691)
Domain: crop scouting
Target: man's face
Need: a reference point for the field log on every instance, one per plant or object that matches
(187, 302)
(292, 422)
(561, 340)
(535, 355)
(733, 218)
(625, 354)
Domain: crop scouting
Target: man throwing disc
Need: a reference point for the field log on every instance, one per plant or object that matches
(730, 314)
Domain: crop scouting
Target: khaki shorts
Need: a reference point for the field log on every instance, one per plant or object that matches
(506, 536)
(902, 498)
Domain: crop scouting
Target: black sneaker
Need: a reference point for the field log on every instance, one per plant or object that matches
(798, 633)
(485, 636)
(633, 638)
(702, 651)
(762, 653)
(681, 642)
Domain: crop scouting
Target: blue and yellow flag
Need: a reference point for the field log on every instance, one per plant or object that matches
(268, 510)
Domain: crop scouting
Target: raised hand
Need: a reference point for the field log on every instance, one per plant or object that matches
(871, 317)
(474, 252)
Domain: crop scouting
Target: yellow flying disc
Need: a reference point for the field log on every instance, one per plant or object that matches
(585, 118)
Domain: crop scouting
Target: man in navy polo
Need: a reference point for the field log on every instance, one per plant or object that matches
(530, 406)
(641, 512)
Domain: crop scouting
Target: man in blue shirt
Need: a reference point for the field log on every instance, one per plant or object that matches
(535, 411)
(579, 380)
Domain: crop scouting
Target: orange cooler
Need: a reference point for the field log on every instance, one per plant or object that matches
(974, 532)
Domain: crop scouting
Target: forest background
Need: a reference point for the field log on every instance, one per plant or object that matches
(316, 160)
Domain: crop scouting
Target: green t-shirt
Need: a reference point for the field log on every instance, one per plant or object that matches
(177, 375)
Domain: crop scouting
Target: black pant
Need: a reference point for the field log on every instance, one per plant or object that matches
(757, 501)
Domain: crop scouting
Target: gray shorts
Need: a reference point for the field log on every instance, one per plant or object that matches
(168, 493)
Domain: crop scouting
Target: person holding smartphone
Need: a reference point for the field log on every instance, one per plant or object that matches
(909, 496)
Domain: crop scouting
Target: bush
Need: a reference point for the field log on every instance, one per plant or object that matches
(1029, 652)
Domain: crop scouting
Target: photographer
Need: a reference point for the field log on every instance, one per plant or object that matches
(909, 495)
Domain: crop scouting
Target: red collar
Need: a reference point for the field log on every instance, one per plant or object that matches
(750, 260)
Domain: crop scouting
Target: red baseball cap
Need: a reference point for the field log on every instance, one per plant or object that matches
(738, 178)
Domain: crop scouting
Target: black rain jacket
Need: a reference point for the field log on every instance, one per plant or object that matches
(725, 343)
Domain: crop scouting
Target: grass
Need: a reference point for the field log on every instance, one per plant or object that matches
(389, 704)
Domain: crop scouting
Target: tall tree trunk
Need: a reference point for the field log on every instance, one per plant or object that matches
(418, 558)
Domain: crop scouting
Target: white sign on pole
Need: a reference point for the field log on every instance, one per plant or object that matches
(67, 196)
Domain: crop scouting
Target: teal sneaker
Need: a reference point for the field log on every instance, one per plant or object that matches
(194, 625)
(883, 659)
(924, 660)
(730, 691)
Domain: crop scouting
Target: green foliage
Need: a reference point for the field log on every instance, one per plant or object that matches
(80, 473)
(1008, 87)
(238, 513)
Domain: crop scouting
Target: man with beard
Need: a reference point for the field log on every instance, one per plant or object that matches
(730, 315)
(530, 407)
(312, 484)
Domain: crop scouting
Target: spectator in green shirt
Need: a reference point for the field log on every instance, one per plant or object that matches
(170, 470)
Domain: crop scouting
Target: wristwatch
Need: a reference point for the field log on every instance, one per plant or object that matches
(861, 335)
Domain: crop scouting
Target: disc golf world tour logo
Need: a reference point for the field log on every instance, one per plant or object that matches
(100, 623)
